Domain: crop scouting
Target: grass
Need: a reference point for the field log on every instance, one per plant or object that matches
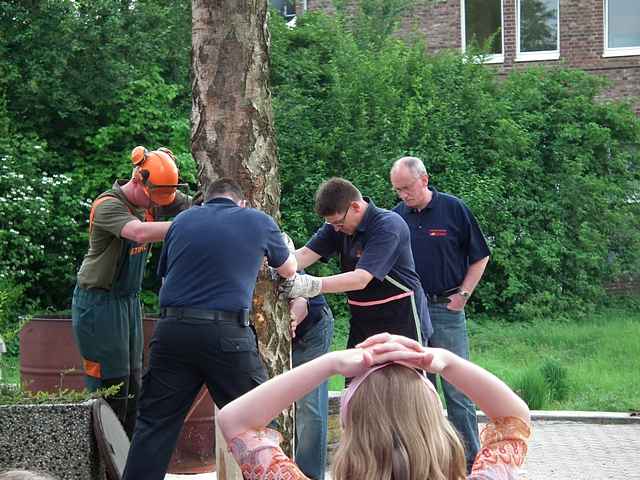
(10, 368)
(595, 359)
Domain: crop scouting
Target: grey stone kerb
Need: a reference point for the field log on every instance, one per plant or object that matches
(604, 418)
(52, 438)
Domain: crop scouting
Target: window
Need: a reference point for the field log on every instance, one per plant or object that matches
(621, 28)
(286, 8)
(482, 27)
(538, 36)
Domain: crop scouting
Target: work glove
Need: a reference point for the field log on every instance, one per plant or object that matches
(289, 243)
(306, 286)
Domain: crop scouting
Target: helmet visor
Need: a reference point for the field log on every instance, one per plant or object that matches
(162, 194)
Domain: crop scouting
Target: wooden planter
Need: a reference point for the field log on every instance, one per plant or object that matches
(53, 438)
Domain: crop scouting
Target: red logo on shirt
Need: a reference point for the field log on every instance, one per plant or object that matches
(437, 232)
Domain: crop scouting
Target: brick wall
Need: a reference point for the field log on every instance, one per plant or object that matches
(581, 40)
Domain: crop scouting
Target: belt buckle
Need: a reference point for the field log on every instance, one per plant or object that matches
(245, 317)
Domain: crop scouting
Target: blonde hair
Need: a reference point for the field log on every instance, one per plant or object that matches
(395, 431)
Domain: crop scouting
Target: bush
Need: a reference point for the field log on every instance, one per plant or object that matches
(555, 376)
(533, 389)
(41, 230)
(10, 323)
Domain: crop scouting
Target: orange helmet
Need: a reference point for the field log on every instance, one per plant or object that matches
(157, 172)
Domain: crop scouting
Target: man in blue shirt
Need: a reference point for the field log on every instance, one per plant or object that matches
(379, 277)
(451, 254)
(209, 264)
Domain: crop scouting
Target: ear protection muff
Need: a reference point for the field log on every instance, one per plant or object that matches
(138, 157)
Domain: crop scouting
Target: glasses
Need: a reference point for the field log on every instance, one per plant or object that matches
(406, 188)
(340, 222)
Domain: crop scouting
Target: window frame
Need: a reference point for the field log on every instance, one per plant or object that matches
(614, 51)
(537, 55)
(492, 58)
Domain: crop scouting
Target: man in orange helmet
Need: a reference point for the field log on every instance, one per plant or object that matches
(106, 312)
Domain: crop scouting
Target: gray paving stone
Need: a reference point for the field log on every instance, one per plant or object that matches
(569, 450)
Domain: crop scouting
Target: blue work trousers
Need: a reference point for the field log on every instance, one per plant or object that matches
(450, 333)
(312, 409)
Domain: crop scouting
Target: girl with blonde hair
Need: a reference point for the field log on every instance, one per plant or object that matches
(393, 423)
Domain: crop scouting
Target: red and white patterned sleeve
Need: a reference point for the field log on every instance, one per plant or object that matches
(260, 457)
(503, 450)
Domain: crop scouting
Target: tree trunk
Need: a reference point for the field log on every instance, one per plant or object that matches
(233, 136)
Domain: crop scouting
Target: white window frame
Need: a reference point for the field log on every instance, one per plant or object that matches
(494, 58)
(619, 51)
(543, 54)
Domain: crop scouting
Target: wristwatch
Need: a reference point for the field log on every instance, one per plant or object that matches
(464, 294)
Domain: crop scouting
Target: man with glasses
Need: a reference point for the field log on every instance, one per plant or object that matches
(451, 254)
(378, 273)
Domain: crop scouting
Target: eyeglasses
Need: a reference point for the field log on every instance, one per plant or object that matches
(406, 188)
(339, 223)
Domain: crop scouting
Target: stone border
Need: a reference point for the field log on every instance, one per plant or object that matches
(53, 438)
(603, 418)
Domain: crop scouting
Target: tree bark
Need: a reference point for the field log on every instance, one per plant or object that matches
(233, 136)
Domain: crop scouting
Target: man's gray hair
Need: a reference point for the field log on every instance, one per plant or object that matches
(413, 164)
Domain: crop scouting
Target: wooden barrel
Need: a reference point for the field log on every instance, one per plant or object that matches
(50, 361)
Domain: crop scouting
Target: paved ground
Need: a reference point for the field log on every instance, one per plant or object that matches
(561, 450)
(569, 450)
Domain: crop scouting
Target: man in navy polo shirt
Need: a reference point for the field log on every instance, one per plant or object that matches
(209, 264)
(379, 277)
(451, 254)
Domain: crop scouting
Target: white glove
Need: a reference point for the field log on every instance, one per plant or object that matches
(306, 286)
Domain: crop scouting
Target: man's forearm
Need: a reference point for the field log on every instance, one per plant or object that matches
(474, 274)
(144, 232)
(346, 282)
(305, 257)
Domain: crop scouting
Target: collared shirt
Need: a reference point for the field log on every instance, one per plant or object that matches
(381, 246)
(445, 239)
(212, 255)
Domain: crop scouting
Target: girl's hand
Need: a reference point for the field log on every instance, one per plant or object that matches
(433, 360)
(382, 338)
(356, 361)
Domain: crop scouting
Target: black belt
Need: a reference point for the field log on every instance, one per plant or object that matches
(442, 297)
(241, 317)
